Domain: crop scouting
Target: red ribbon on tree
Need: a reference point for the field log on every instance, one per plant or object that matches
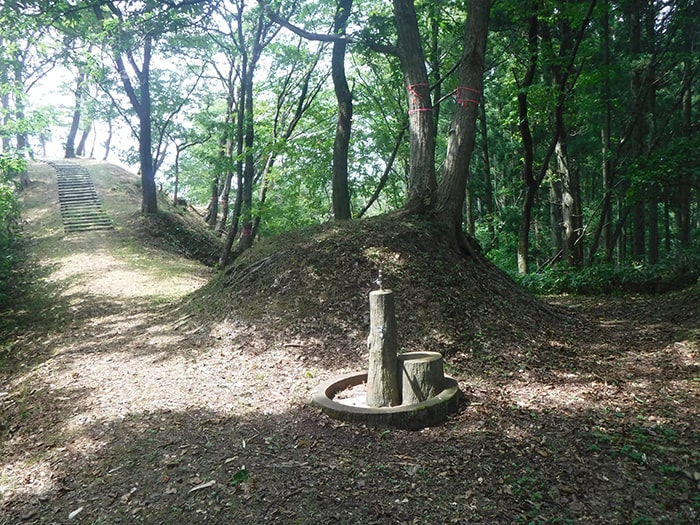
(416, 97)
(465, 94)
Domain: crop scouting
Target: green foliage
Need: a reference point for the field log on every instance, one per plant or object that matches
(666, 169)
(673, 272)
(10, 231)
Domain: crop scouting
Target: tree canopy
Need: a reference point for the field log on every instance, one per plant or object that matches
(540, 134)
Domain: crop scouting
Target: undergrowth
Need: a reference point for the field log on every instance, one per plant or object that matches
(11, 246)
(673, 273)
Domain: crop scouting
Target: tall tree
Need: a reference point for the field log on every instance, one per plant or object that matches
(132, 52)
(250, 45)
(422, 181)
(453, 184)
(341, 144)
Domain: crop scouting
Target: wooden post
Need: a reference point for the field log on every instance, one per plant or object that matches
(420, 376)
(382, 386)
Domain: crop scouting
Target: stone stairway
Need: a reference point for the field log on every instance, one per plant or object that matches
(81, 209)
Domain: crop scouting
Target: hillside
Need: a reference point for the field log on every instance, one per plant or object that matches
(139, 385)
(314, 283)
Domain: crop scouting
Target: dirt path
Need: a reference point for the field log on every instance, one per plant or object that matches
(124, 410)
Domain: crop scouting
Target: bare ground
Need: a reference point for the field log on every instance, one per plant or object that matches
(133, 395)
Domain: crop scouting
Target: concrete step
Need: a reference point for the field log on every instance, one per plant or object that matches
(81, 209)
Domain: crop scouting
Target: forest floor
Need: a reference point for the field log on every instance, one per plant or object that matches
(123, 399)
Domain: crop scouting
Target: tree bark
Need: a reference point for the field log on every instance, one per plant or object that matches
(21, 137)
(421, 179)
(531, 184)
(5, 98)
(77, 111)
(341, 143)
(488, 183)
(148, 183)
(108, 142)
(452, 189)
(572, 225)
(604, 228)
(80, 150)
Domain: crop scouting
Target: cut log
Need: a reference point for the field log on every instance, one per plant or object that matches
(382, 384)
(420, 376)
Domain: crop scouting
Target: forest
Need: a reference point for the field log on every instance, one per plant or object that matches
(560, 137)
(522, 176)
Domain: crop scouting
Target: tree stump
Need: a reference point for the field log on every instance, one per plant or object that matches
(382, 384)
(420, 376)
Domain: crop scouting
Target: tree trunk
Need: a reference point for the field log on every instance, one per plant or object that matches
(77, 110)
(240, 119)
(246, 240)
(653, 226)
(5, 98)
(213, 207)
(572, 226)
(421, 179)
(524, 232)
(149, 203)
(531, 184)
(684, 192)
(21, 138)
(638, 88)
(452, 189)
(108, 142)
(488, 183)
(224, 196)
(80, 150)
(341, 144)
(141, 102)
(604, 228)
(556, 220)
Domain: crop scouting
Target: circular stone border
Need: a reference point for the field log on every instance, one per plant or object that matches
(430, 412)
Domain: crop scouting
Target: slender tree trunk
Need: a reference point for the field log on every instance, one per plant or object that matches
(108, 142)
(488, 183)
(639, 95)
(80, 150)
(684, 192)
(246, 240)
(653, 226)
(176, 182)
(385, 176)
(225, 195)
(240, 119)
(226, 146)
(341, 144)
(604, 227)
(524, 232)
(21, 138)
(5, 99)
(531, 184)
(77, 110)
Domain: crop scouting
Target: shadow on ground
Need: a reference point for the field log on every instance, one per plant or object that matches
(490, 464)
